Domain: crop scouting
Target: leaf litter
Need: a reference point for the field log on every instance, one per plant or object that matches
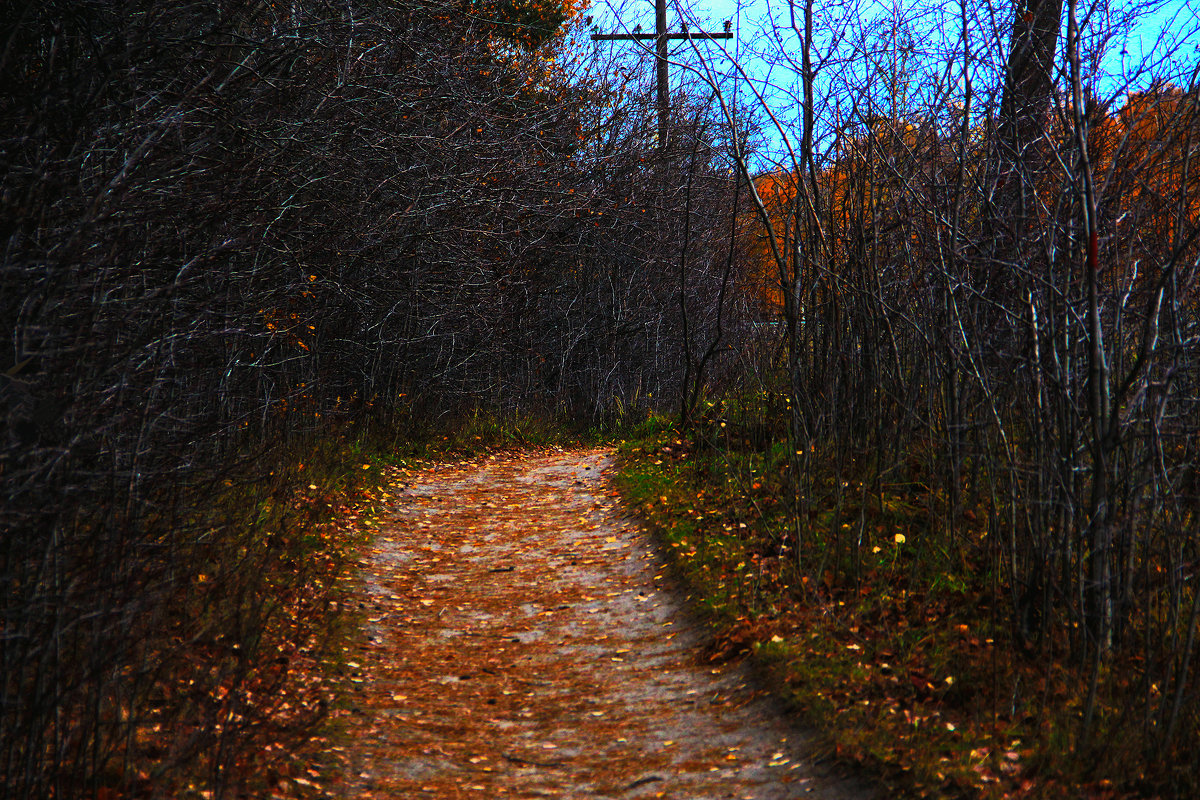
(521, 638)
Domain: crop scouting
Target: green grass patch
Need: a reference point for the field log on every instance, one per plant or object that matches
(412, 436)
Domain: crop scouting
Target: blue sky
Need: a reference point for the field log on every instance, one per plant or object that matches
(1160, 40)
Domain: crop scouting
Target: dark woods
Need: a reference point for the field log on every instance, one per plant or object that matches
(236, 232)
(233, 231)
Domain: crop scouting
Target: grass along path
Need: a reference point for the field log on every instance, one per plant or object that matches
(521, 639)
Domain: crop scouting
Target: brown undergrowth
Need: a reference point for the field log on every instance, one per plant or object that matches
(903, 658)
(222, 637)
(241, 705)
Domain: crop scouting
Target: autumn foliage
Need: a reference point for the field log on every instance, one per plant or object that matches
(529, 23)
(1147, 153)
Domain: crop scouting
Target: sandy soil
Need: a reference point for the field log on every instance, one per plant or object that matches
(522, 640)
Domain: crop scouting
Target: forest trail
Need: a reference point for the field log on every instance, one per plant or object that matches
(522, 640)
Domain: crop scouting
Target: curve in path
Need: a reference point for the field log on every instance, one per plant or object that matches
(522, 641)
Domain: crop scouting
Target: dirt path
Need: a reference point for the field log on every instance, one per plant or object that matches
(522, 642)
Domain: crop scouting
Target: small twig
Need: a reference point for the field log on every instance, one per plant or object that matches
(531, 762)
(643, 782)
(531, 683)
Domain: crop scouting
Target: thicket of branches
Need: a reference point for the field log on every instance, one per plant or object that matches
(231, 230)
(982, 242)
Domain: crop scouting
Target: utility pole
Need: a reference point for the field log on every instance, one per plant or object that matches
(660, 37)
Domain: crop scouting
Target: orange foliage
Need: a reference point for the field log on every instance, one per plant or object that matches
(1157, 182)
(761, 277)
(872, 194)
(528, 23)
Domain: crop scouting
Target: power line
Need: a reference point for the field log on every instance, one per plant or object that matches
(661, 36)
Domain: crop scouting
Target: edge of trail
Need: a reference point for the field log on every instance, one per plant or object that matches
(522, 638)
